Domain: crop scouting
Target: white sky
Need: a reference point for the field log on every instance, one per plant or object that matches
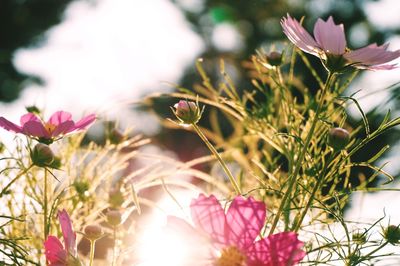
(105, 55)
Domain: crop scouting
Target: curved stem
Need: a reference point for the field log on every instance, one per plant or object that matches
(216, 154)
(45, 228)
(374, 251)
(4, 190)
(92, 247)
(293, 177)
(312, 196)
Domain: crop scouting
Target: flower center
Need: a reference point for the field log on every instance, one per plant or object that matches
(231, 256)
(49, 127)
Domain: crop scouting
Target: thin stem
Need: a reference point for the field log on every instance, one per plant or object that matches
(115, 245)
(374, 251)
(312, 196)
(92, 247)
(4, 190)
(45, 231)
(216, 154)
(299, 162)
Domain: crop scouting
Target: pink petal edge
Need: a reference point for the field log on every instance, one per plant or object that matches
(68, 233)
(59, 117)
(84, 122)
(208, 215)
(9, 126)
(246, 218)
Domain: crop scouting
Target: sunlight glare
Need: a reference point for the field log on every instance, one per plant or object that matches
(157, 246)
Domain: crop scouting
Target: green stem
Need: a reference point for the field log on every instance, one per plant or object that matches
(92, 247)
(216, 154)
(312, 196)
(373, 251)
(293, 177)
(5, 189)
(45, 231)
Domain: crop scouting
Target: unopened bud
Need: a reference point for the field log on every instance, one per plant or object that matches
(274, 58)
(187, 112)
(338, 138)
(359, 238)
(114, 217)
(93, 232)
(42, 155)
(392, 234)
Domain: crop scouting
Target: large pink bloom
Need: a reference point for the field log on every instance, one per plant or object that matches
(59, 124)
(56, 253)
(329, 42)
(235, 236)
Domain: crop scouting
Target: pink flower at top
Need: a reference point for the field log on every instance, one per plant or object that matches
(235, 237)
(56, 253)
(329, 44)
(59, 124)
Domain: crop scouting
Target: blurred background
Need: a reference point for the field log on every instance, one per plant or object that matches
(106, 55)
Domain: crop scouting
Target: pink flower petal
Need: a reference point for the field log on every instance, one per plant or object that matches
(85, 122)
(330, 36)
(68, 233)
(54, 251)
(372, 56)
(208, 215)
(63, 128)
(10, 126)
(246, 218)
(59, 117)
(299, 36)
(35, 129)
(28, 117)
(282, 249)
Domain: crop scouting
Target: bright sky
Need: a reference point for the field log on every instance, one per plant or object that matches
(104, 55)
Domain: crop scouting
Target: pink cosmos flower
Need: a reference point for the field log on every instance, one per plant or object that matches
(329, 44)
(59, 124)
(235, 237)
(56, 253)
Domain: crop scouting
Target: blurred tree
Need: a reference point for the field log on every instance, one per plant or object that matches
(22, 24)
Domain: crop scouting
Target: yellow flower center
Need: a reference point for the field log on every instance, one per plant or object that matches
(49, 127)
(231, 256)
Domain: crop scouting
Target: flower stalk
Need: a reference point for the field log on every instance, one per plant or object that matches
(92, 248)
(45, 228)
(220, 160)
(293, 177)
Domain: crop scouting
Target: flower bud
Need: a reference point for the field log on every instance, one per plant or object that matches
(392, 234)
(338, 138)
(93, 232)
(187, 112)
(274, 58)
(114, 217)
(42, 155)
(359, 238)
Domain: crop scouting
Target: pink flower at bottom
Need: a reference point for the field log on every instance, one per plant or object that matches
(56, 253)
(235, 236)
(58, 125)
